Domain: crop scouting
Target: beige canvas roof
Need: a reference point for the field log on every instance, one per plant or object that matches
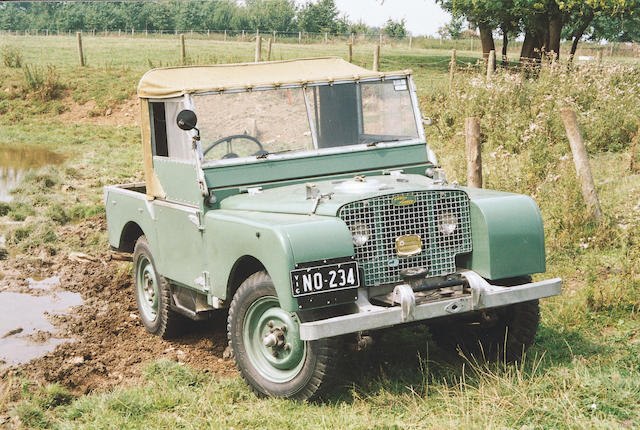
(176, 81)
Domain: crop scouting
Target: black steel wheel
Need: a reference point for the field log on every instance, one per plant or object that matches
(266, 345)
(153, 294)
(501, 334)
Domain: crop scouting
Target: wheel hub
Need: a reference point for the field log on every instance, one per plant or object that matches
(273, 340)
(147, 289)
(276, 339)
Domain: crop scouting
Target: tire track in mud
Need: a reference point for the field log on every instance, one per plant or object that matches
(110, 344)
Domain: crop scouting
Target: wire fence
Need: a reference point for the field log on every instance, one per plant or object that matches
(586, 49)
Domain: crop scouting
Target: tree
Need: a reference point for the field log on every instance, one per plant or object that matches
(270, 15)
(395, 29)
(453, 30)
(318, 17)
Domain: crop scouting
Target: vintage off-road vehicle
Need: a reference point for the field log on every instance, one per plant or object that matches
(305, 200)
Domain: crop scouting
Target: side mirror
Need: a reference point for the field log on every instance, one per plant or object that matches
(187, 120)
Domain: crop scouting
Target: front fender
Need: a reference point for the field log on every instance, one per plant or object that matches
(507, 232)
(278, 241)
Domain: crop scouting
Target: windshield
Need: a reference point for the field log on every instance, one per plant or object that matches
(259, 123)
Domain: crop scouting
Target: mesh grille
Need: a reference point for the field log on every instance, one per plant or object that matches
(385, 222)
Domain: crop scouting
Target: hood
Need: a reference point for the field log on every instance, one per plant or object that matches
(293, 199)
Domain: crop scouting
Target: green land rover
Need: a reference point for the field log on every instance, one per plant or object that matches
(301, 196)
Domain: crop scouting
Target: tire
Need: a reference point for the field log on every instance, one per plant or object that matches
(301, 371)
(502, 334)
(153, 294)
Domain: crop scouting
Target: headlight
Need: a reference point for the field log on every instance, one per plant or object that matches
(360, 233)
(448, 223)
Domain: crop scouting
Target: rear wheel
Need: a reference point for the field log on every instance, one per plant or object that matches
(265, 342)
(153, 294)
(502, 334)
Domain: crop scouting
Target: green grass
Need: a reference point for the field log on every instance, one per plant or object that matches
(582, 372)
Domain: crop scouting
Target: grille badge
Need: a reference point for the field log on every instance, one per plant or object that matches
(409, 245)
(403, 200)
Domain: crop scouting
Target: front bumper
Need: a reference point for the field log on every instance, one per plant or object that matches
(483, 296)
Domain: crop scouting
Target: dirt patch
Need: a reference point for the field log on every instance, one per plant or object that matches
(122, 114)
(110, 343)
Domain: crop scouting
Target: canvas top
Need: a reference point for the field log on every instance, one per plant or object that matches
(176, 81)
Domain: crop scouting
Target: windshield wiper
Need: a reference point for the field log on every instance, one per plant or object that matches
(384, 141)
(265, 154)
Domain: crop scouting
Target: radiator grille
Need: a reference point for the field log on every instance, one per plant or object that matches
(387, 221)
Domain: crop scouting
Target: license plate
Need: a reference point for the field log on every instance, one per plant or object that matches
(321, 279)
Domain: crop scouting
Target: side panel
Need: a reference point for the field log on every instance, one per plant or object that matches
(278, 241)
(180, 254)
(508, 237)
(123, 206)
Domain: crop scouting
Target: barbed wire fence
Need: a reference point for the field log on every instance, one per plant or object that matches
(585, 49)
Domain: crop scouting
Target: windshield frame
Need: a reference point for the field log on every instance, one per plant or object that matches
(325, 151)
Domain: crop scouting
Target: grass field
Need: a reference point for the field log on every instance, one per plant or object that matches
(582, 372)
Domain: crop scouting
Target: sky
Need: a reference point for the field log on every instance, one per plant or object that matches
(423, 17)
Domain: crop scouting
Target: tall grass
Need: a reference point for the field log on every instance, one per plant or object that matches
(11, 56)
(43, 83)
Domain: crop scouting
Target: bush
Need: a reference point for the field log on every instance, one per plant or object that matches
(43, 83)
(83, 211)
(11, 56)
(20, 211)
(57, 214)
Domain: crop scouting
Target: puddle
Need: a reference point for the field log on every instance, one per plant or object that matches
(16, 162)
(26, 312)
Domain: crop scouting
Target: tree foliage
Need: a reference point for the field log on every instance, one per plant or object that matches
(264, 15)
(396, 29)
(545, 23)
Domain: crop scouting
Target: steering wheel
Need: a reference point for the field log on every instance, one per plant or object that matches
(230, 153)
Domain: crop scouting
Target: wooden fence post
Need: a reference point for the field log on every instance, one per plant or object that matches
(274, 36)
(269, 49)
(474, 157)
(491, 64)
(410, 42)
(632, 164)
(452, 68)
(80, 53)
(243, 35)
(350, 52)
(258, 49)
(225, 35)
(376, 58)
(183, 51)
(299, 37)
(581, 161)
(326, 39)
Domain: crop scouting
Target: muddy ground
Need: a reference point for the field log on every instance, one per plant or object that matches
(110, 344)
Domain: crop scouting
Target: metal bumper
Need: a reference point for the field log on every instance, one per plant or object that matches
(483, 296)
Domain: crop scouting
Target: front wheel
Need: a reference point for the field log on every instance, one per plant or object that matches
(265, 342)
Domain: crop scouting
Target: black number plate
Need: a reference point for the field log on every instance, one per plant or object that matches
(321, 279)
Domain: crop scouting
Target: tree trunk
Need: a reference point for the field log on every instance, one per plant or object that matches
(505, 43)
(555, 34)
(577, 35)
(530, 43)
(486, 38)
